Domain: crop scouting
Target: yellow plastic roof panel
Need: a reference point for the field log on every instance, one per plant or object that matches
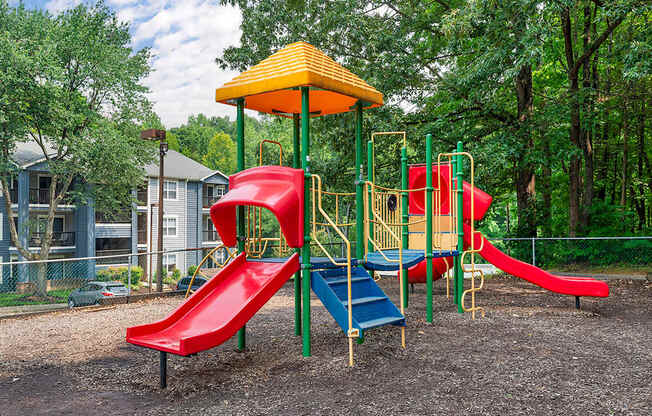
(271, 86)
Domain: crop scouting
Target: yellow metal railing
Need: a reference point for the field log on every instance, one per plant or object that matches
(210, 255)
(317, 207)
(472, 250)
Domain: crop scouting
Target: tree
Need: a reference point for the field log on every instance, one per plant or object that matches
(221, 154)
(495, 75)
(71, 84)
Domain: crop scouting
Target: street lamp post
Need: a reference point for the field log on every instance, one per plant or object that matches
(153, 134)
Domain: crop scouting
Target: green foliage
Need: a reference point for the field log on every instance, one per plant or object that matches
(191, 269)
(120, 274)
(455, 69)
(176, 274)
(71, 85)
(221, 154)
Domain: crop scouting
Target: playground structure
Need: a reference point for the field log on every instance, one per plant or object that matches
(393, 226)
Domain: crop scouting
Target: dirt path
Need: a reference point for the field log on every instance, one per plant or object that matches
(532, 354)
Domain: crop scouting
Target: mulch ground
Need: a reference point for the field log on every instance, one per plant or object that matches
(532, 353)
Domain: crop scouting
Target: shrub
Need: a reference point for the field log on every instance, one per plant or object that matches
(120, 274)
(103, 275)
(191, 270)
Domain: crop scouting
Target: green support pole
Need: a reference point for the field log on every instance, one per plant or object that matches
(428, 214)
(296, 163)
(242, 333)
(370, 178)
(459, 275)
(305, 250)
(359, 202)
(405, 219)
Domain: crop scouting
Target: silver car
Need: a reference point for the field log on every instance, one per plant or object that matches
(92, 292)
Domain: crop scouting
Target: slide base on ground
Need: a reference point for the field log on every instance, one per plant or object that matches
(218, 309)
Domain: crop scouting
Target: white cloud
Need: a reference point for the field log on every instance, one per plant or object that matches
(185, 37)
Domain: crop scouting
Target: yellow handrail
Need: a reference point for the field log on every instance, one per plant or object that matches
(206, 257)
(472, 249)
(317, 206)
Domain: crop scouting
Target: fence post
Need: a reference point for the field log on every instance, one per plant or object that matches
(534, 256)
(129, 276)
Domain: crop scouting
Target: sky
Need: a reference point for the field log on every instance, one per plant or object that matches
(185, 36)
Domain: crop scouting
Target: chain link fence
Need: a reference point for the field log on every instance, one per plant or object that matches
(53, 281)
(582, 254)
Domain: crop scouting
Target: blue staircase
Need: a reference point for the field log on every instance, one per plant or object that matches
(371, 307)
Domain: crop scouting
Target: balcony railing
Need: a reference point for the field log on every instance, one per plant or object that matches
(210, 235)
(141, 196)
(115, 218)
(142, 236)
(208, 201)
(39, 196)
(59, 239)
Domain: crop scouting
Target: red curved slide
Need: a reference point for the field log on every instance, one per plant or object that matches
(277, 188)
(566, 285)
(218, 309)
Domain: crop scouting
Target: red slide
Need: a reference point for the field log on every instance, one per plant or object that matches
(218, 309)
(225, 303)
(566, 285)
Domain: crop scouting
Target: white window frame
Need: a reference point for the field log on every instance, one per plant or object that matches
(219, 190)
(176, 226)
(166, 192)
(166, 263)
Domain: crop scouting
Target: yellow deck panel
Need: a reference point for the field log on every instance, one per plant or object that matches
(271, 86)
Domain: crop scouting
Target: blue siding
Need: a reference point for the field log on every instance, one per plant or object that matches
(193, 230)
(85, 238)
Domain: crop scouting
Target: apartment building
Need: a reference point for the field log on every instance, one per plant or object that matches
(190, 188)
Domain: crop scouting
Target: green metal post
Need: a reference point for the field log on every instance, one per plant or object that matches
(305, 250)
(242, 333)
(370, 178)
(459, 275)
(359, 202)
(296, 163)
(405, 219)
(428, 214)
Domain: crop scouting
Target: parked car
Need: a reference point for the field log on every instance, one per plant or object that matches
(92, 292)
(182, 284)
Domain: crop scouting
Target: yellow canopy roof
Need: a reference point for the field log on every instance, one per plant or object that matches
(272, 85)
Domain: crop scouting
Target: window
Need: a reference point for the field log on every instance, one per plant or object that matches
(169, 226)
(219, 190)
(170, 262)
(169, 189)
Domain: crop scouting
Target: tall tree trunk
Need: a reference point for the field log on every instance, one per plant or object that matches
(624, 179)
(546, 190)
(525, 179)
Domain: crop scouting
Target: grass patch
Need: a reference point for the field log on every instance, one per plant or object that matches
(20, 299)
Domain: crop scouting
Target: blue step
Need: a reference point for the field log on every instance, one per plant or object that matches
(371, 307)
(376, 261)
